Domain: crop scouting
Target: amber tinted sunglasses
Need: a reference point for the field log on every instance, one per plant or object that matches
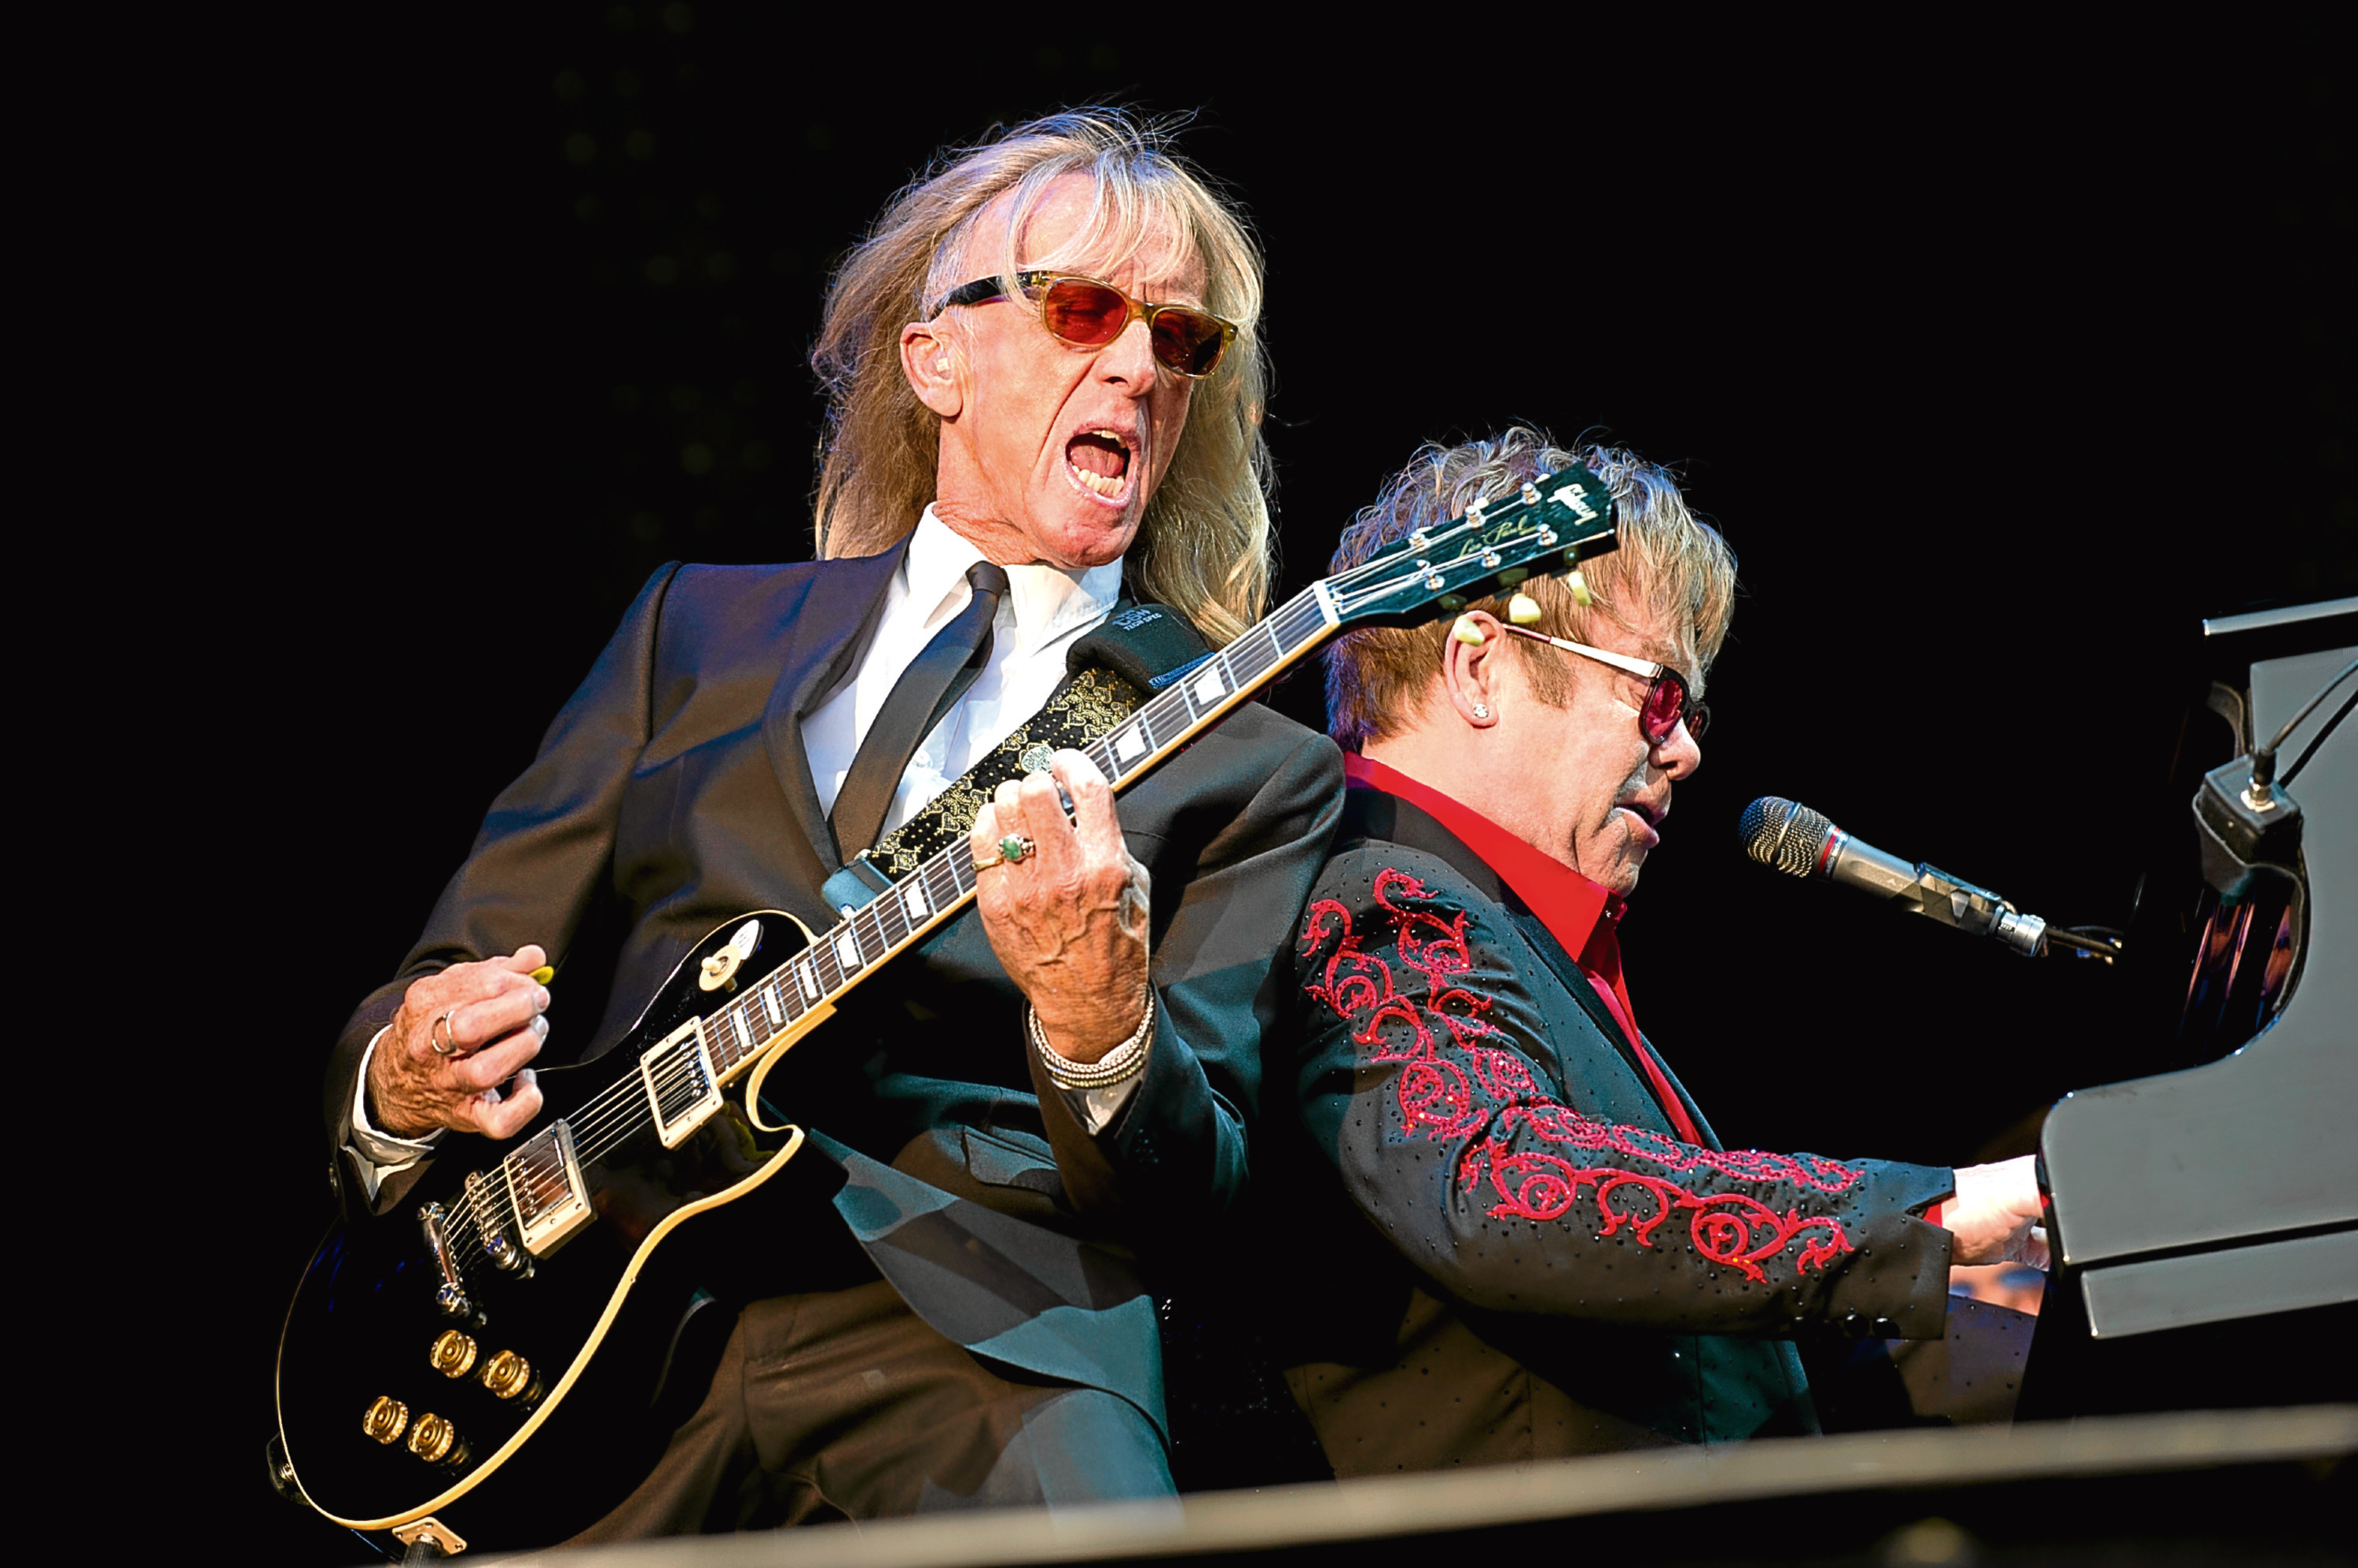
(1666, 704)
(1089, 314)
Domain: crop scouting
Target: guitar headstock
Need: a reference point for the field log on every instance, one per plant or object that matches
(1556, 520)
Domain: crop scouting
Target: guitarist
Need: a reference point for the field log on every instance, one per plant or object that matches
(1045, 384)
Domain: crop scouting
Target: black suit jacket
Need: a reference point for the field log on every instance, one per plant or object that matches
(1506, 1249)
(671, 793)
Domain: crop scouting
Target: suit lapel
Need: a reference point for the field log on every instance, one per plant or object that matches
(1375, 814)
(830, 629)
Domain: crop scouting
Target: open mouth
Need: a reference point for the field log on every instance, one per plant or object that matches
(1097, 461)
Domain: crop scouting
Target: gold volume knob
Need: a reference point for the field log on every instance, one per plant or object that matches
(507, 1374)
(384, 1419)
(453, 1355)
(434, 1439)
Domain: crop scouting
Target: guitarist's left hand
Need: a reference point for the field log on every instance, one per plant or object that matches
(1069, 920)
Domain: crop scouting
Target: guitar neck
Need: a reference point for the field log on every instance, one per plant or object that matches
(1439, 570)
(938, 890)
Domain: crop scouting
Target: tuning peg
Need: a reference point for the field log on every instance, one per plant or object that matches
(1524, 609)
(1468, 633)
(1580, 594)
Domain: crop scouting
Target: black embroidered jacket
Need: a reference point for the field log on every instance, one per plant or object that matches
(1523, 1209)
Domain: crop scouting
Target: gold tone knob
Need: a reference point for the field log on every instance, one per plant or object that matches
(507, 1374)
(453, 1355)
(434, 1439)
(384, 1419)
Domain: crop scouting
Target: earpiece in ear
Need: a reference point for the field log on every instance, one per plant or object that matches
(942, 366)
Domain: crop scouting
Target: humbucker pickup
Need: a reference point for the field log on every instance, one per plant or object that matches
(552, 1201)
(682, 1089)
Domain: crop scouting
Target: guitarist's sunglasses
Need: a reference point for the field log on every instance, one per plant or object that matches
(1666, 702)
(1089, 314)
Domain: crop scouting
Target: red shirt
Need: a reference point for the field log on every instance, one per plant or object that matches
(1582, 915)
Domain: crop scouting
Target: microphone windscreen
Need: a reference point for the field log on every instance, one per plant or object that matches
(1785, 835)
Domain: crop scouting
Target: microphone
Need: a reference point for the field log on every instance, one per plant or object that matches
(1790, 838)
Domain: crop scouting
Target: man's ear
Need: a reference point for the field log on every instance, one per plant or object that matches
(932, 366)
(1470, 669)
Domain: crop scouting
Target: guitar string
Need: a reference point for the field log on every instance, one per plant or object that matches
(600, 1131)
(618, 1113)
(607, 1119)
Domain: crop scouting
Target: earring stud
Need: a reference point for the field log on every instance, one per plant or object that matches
(1481, 710)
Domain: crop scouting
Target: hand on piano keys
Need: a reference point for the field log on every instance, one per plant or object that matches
(1995, 1216)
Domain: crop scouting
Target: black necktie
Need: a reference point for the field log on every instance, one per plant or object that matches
(926, 690)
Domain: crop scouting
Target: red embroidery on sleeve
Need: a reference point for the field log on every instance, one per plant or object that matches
(1455, 1091)
(1731, 1228)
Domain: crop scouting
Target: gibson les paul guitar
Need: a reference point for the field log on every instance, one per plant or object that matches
(461, 1370)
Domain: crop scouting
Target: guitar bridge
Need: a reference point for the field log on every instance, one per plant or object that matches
(552, 1201)
(491, 1224)
(682, 1089)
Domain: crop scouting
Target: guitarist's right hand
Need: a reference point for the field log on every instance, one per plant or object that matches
(493, 1026)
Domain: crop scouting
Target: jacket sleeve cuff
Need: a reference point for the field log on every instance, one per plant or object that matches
(379, 1155)
(1896, 1284)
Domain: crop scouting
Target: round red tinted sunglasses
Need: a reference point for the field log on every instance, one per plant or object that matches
(1088, 314)
(1666, 705)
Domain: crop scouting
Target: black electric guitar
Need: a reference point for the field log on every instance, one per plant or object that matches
(462, 1371)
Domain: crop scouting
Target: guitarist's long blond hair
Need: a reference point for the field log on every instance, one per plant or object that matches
(1204, 546)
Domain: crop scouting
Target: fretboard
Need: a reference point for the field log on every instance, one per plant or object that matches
(843, 956)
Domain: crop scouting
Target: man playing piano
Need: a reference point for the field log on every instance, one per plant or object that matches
(1520, 1236)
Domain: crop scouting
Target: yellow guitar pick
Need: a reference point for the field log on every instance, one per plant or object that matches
(1468, 633)
(1524, 609)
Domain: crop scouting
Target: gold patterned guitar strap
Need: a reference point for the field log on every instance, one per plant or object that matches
(1140, 649)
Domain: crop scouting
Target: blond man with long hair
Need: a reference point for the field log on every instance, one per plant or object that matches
(1045, 380)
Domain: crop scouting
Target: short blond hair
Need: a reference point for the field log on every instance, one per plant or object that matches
(1204, 546)
(1670, 564)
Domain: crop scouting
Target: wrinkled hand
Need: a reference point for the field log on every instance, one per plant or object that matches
(495, 1027)
(1992, 1212)
(1069, 920)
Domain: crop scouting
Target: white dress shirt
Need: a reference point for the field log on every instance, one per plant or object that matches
(1045, 610)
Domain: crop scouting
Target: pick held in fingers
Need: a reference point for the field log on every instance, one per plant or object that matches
(459, 1034)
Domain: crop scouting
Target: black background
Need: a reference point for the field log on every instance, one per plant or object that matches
(2000, 360)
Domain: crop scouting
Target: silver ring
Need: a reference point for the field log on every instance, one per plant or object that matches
(441, 1027)
(1013, 850)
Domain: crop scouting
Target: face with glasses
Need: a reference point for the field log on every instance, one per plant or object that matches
(1052, 445)
(1607, 776)
(1587, 781)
